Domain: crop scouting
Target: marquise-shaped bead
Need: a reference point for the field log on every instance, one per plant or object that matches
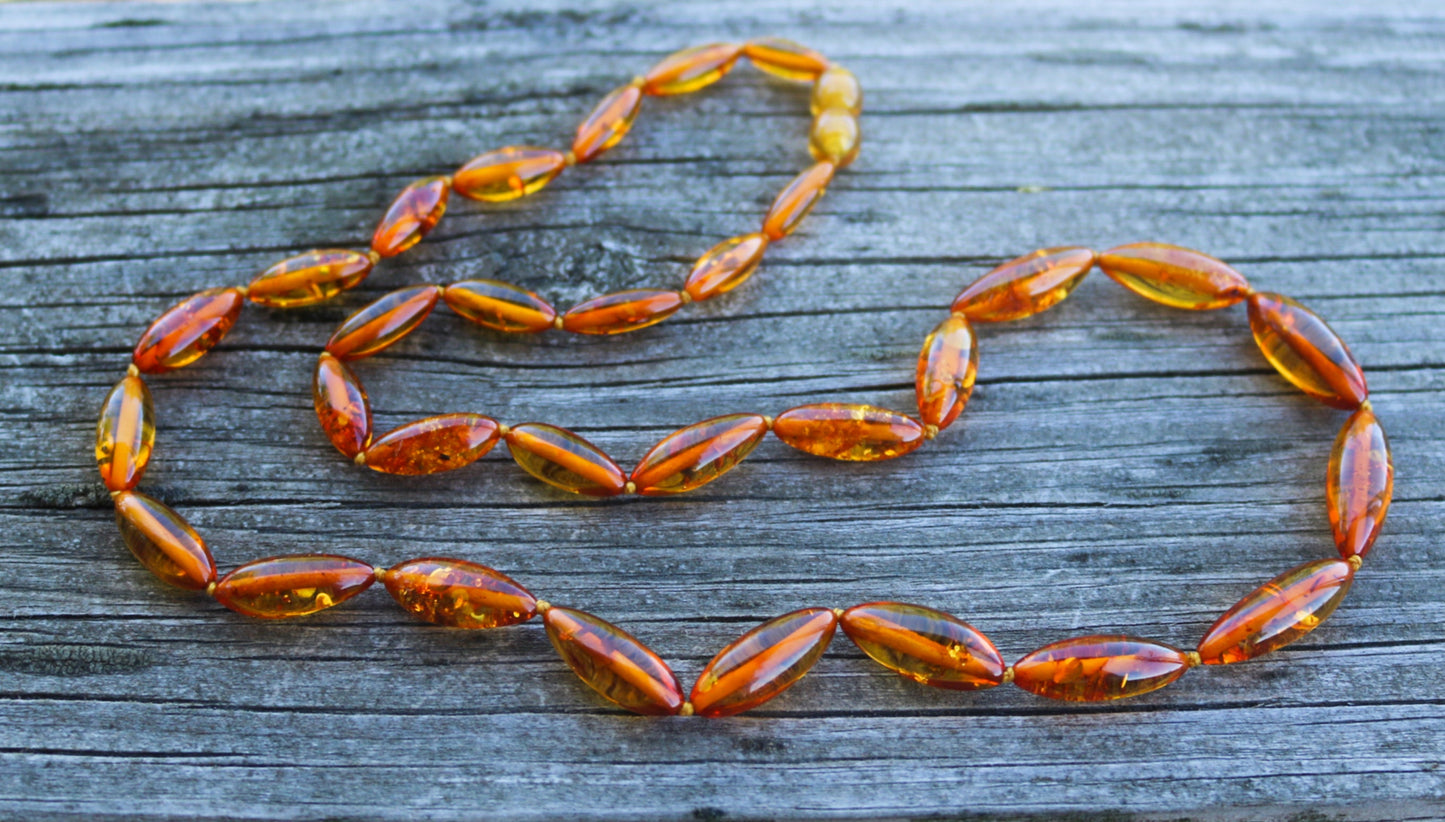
(1278, 612)
(797, 199)
(411, 216)
(500, 306)
(691, 69)
(508, 173)
(342, 407)
(292, 586)
(622, 311)
(608, 123)
(458, 594)
(1360, 483)
(698, 454)
(1099, 668)
(164, 543)
(1177, 277)
(836, 88)
(125, 434)
(1306, 351)
(188, 330)
(844, 431)
(1026, 286)
(309, 278)
(613, 662)
(786, 59)
(432, 445)
(925, 645)
(947, 366)
(835, 137)
(564, 460)
(726, 266)
(383, 322)
(763, 663)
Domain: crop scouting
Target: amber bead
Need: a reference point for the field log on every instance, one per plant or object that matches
(500, 306)
(1278, 612)
(188, 330)
(698, 454)
(383, 322)
(412, 215)
(795, 201)
(1359, 484)
(835, 137)
(836, 88)
(725, 266)
(844, 431)
(458, 594)
(622, 311)
(1099, 668)
(164, 543)
(342, 407)
(508, 173)
(763, 663)
(947, 366)
(924, 645)
(613, 662)
(1026, 286)
(125, 434)
(1306, 351)
(562, 459)
(291, 586)
(608, 123)
(309, 278)
(785, 59)
(1177, 277)
(432, 445)
(691, 69)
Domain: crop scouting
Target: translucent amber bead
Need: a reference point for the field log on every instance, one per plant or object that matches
(188, 330)
(382, 323)
(763, 663)
(622, 311)
(794, 202)
(293, 586)
(843, 431)
(125, 434)
(1174, 276)
(836, 88)
(309, 278)
(164, 542)
(341, 406)
(500, 306)
(786, 59)
(691, 69)
(562, 459)
(1278, 612)
(947, 366)
(433, 445)
(925, 645)
(835, 137)
(508, 173)
(608, 123)
(412, 215)
(725, 266)
(698, 454)
(1099, 668)
(1359, 484)
(1306, 351)
(1026, 286)
(458, 594)
(613, 662)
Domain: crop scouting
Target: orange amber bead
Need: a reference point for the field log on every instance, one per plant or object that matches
(613, 662)
(382, 323)
(500, 306)
(1177, 277)
(835, 137)
(836, 88)
(698, 454)
(621, 311)
(433, 445)
(125, 434)
(309, 278)
(341, 406)
(946, 370)
(508, 173)
(188, 330)
(1306, 351)
(843, 431)
(291, 586)
(608, 123)
(763, 663)
(1026, 286)
(725, 266)
(925, 645)
(1099, 668)
(562, 459)
(1359, 484)
(1278, 612)
(412, 215)
(691, 69)
(785, 59)
(458, 594)
(794, 202)
(164, 542)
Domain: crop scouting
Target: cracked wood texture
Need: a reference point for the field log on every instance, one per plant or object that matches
(1122, 467)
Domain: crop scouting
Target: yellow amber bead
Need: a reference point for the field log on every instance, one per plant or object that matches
(125, 434)
(1278, 612)
(309, 278)
(927, 646)
(508, 173)
(698, 454)
(691, 69)
(1306, 351)
(836, 88)
(947, 366)
(188, 330)
(1174, 276)
(795, 201)
(1099, 668)
(1360, 483)
(412, 215)
(500, 306)
(622, 311)
(835, 137)
(613, 663)
(726, 266)
(608, 123)
(342, 406)
(458, 594)
(291, 586)
(164, 543)
(785, 59)
(383, 322)
(564, 460)
(445, 442)
(763, 663)
(1025, 286)
(844, 431)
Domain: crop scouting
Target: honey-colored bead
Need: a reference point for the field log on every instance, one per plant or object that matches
(795, 201)
(622, 311)
(691, 69)
(1359, 484)
(188, 330)
(925, 645)
(843, 431)
(608, 123)
(1026, 286)
(458, 594)
(1306, 351)
(382, 323)
(835, 137)
(613, 662)
(1099, 668)
(292, 586)
(342, 407)
(763, 663)
(698, 454)
(412, 215)
(164, 543)
(500, 306)
(1278, 612)
(947, 366)
(1177, 277)
(432, 445)
(125, 434)
(564, 460)
(836, 88)
(785, 59)
(309, 278)
(726, 266)
(508, 173)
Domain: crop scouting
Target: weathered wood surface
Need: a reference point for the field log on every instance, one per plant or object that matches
(1122, 467)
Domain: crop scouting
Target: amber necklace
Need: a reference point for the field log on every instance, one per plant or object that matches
(924, 644)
